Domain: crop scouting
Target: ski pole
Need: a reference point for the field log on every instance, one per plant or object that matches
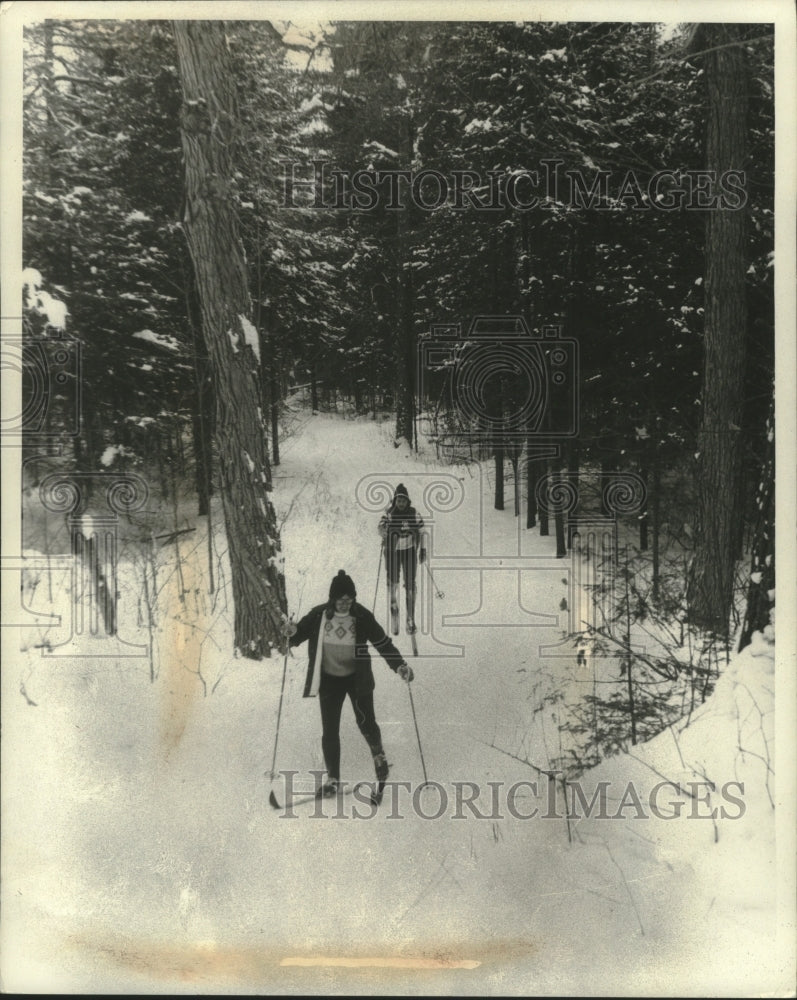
(418, 735)
(279, 708)
(438, 593)
(279, 711)
(378, 572)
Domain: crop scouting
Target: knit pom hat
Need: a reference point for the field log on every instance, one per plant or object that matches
(342, 586)
(401, 491)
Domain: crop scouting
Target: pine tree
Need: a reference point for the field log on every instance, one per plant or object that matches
(209, 133)
(719, 463)
(761, 590)
(101, 190)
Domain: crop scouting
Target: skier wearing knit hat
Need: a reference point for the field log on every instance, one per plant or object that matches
(338, 633)
(401, 528)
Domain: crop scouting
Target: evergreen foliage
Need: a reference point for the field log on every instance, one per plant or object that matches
(343, 295)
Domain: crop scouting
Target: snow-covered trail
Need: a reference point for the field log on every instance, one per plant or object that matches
(419, 886)
(464, 887)
(469, 675)
(138, 864)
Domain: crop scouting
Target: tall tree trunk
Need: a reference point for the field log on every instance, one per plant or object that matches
(405, 341)
(405, 348)
(574, 477)
(559, 517)
(275, 413)
(496, 408)
(270, 371)
(762, 577)
(532, 474)
(208, 128)
(644, 515)
(719, 448)
(498, 500)
(514, 458)
(542, 512)
(534, 467)
(655, 501)
(203, 402)
(607, 468)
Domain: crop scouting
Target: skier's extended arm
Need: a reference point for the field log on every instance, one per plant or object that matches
(420, 538)
(381, 642)
(298, 632)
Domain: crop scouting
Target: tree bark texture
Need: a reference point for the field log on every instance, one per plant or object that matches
(498, 500)
(531, 482)
(404, 349)
(202, 406)
(762, 577)
(719, 444)
(208, 128)
(559, 520)
(405, 346)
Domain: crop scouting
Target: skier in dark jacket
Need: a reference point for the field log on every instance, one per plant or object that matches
(338, 634)
(401, 528)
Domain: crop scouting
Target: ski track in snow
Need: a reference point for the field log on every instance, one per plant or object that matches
(141, 852)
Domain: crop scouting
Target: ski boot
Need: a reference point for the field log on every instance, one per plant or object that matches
(328, 789)
(411, 627)
(381, 767)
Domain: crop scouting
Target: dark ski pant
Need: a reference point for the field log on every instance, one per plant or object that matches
(403, 562)
(331, 695)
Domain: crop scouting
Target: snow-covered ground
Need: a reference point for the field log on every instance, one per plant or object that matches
(140, 853)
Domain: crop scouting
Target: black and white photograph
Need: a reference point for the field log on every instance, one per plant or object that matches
(392, 397)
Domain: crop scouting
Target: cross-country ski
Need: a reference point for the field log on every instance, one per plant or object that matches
(323, 793)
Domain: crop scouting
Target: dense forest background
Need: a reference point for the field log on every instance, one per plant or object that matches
(671, 308)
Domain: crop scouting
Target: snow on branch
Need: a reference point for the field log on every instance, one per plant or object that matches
(159, 339)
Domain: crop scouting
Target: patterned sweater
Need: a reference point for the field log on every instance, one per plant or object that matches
(367, 629)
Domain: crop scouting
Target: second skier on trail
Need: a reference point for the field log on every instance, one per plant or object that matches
(401, 528)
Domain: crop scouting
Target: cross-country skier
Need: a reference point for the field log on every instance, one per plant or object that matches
(338, 633)
(401, 528)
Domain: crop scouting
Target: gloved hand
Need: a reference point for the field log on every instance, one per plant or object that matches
(288, 628)
(405, 672)
(422, 556)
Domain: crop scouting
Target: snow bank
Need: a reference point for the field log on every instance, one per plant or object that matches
(141, 854)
